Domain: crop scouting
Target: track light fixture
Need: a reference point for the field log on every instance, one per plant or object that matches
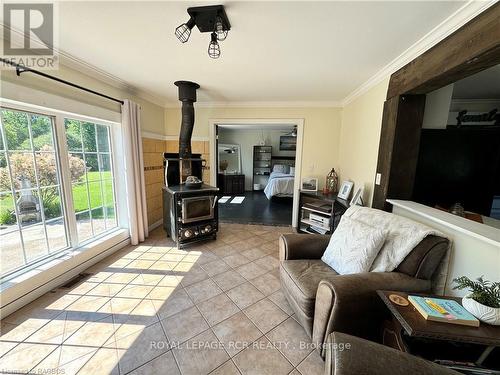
(213, 47)
(183, 31)
(209, 19)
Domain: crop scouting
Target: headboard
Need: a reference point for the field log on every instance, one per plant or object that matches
(285, 160)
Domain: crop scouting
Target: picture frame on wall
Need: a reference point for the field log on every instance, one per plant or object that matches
(345, 190)
(357, 198)
(309, 184)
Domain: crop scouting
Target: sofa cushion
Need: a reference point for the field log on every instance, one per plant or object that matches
(353, 246)
(300, 279)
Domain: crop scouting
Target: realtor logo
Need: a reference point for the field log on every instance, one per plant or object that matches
(29, 34)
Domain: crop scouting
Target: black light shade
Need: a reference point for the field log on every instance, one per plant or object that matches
(183, 31)
(219, 29)
(213, 47)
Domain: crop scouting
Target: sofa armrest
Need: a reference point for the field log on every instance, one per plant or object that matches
(350, 304)
(349, 355)
(302, 246)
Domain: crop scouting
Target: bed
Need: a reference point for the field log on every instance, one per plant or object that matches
(281, 180)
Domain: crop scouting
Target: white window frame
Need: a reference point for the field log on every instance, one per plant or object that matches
(117, 163)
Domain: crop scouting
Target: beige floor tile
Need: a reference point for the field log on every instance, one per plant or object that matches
(138, 349)
(88, 304)
(150, 256)
(236, 260)
(203, 290)
(122, 277)
(312, 365)
(135, 291)
(202, 258)
(6, 347)
(217, 309)
(105, 289)
(100, 276)
(253, 254)
(147, 279)
(243, 245)
(236, 333)
(244, 295)
(251, 270)
(143, 314)
(184, 325)
(224, 250)
(200, 355)
(228, 280)
(83, 288)
(120, 306)
(169, 257)
(215, 267)
(291, 340)
(267, 283)
(161, 292)
(171, 281)
(183, 267)
(163, 266)
(262, 359)
(56, 330)
(177, 302)
(19, 332)
(228, 368)
(295, 372)
(139, 265)
(93, 334)
(65, 360)
(279, 299)
(265, 315)
(164, 364)
(268, 262)
(24, 357)
(104, 361)
(195, 275)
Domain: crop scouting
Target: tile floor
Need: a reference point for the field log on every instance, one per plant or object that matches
(154, 309)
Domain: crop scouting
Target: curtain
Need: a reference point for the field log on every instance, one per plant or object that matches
(134, 172)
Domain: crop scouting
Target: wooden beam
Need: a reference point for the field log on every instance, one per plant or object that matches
(472, 48)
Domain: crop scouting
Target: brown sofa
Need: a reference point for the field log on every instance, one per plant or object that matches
(325, 301)
(349, 355)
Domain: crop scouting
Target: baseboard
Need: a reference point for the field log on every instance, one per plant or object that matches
(155, 225)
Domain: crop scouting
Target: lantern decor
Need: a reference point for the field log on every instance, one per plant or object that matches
(332, 182)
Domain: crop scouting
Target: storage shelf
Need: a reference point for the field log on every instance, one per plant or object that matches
(314, 224)
(317, 211)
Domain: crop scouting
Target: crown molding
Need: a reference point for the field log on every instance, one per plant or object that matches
(451, 24)
(260, 104)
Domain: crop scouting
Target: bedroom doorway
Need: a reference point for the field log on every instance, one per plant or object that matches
(256, 165)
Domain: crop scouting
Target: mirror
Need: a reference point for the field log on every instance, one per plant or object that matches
(229, 159)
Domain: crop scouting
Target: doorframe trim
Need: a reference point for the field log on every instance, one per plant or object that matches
(262, 122)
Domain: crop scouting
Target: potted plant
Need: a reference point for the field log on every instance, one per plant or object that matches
(484, 300)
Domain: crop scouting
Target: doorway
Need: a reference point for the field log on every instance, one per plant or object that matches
(256, 164)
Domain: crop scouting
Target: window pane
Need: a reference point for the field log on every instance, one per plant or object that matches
(5, 181)
(52, 205)
(23, 170)
(77, 167)
(8, 220)
(41, 129)
(2, 146)
(95, 194)
(47, 168)
(80, 197)
(28, 207)
(105, 165)
(110, 216)
(11, 256)
(73, 135)
(16, 130)
(34, 242)
(56, 235)
(102, 138)
(89, 141)
(92, 167)
(98, 221)
(83, 226)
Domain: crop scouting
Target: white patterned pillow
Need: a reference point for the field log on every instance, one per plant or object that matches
(353, 246)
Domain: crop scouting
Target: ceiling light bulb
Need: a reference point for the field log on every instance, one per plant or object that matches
(183, 31)
(219, 29)
(213, 47)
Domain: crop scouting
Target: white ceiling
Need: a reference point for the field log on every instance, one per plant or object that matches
(482, 85)
(275, 51)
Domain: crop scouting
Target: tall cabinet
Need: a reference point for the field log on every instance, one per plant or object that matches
(261, 166)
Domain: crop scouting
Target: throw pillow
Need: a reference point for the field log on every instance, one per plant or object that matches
(292, 171)
(279, 168)
(353, 246)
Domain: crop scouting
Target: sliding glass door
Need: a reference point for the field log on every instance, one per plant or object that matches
(56, 187)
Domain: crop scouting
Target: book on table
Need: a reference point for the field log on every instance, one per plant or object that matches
(443, 310)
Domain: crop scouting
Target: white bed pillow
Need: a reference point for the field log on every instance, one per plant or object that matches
(292, 171)
(353, 246)
(280, 168)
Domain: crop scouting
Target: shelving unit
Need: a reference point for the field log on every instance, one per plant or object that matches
(332, 209)
(261, 164)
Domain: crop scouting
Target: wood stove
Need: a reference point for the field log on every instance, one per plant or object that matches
(190, 214)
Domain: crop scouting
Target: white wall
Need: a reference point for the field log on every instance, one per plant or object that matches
(247, 138)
